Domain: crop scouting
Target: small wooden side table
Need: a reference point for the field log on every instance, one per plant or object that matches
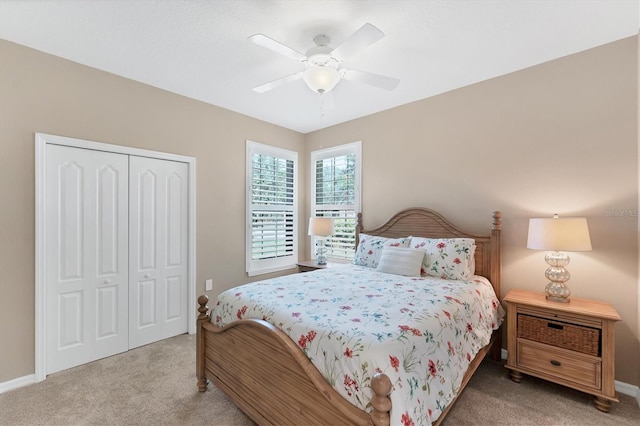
(310, 265)
(571, 344)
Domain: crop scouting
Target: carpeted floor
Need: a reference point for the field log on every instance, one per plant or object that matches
(155, 385)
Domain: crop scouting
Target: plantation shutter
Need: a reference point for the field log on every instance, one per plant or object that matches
(272, 235)
(336, 194)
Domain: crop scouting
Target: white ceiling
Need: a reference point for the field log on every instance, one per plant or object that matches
(199, 49)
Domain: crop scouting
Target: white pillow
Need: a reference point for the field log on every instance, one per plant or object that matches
(449, 258)
(401, 261)
(370, 249)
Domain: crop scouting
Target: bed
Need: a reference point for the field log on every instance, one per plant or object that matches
(269, 371)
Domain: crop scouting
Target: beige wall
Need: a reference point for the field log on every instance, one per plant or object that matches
(559, 137)
(556, 138)
(43, 93)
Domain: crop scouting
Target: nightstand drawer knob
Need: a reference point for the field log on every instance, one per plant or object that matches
(555, 326)
(556, 363)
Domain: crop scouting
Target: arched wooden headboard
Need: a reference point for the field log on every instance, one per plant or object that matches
(426, 223)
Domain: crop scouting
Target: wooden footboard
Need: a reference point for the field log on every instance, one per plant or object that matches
(263, 371)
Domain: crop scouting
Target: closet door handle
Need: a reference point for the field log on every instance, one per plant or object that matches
(147, 275)
(107, 281)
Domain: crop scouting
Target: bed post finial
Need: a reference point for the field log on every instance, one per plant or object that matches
(202, 318)
(203, 308)
(496, 223)
(381, 386)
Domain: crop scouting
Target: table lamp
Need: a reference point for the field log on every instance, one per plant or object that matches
(558, 235)
(321, 227)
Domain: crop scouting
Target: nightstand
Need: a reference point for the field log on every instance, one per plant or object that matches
(571, 344)
(310, 265)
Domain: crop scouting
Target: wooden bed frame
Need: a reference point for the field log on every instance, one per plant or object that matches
(267, 375)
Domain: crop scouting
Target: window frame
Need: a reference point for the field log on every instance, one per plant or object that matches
(265, 266)
(326, 153)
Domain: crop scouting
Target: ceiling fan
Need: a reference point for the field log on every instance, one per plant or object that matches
(322, 63)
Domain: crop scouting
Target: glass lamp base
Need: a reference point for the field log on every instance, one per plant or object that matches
(557, 275)
(322, 257)
(558, 299)
(557, 292)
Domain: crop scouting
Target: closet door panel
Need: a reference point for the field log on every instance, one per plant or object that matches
(87, 256)
(158, 243)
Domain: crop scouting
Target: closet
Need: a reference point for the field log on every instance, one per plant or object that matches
(116, 258)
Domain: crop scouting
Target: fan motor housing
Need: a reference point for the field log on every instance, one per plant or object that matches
(320, 54)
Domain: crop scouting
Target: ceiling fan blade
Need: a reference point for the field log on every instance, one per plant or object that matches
(276, 46)
(276, 83)
(381, 81)
(365, 36)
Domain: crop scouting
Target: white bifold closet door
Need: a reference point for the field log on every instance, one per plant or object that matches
(158, 237)
(87, 275)
(117, 253)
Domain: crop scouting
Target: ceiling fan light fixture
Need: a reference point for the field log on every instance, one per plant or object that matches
(323, 63)
(321, 79)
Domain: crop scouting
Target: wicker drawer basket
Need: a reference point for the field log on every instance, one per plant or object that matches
(568, 336)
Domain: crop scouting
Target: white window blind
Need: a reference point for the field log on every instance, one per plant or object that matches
(335, 192)
(271, 214)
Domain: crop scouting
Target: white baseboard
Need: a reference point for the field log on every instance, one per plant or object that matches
(17, 383)
(628, 389)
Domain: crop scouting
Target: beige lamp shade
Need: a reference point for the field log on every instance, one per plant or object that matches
(321, 226)
(559, 234)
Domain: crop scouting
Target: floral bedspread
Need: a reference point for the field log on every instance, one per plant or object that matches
(352, 321)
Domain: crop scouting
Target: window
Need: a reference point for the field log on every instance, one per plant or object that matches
(335, 192)
(272, 223)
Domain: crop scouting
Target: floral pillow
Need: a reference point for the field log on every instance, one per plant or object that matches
(448, 258)
(370, 249)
